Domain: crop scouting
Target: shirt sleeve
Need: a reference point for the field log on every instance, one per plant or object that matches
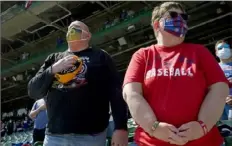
(212, 71)
(118, 105)
(136, 68)
(39, 85)
(34, 107)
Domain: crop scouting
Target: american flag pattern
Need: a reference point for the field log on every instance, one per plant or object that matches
(176, 26)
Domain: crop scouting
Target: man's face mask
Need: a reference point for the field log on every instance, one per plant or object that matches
(77, 38)
(175, 23)
(223, 51)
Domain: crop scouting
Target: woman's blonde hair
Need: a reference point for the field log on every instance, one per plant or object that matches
(164, 7)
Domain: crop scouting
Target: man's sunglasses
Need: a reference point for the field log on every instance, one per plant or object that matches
(174, 14)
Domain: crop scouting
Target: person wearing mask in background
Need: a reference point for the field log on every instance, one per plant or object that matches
(223, 52)
(39, 114)
(172, 87)
(79, 84)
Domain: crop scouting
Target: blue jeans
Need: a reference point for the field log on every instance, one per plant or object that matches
(75, 140)
(225, 113)
(110, 129)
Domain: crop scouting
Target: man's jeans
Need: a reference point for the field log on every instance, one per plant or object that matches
(75, 140)
(110, 131)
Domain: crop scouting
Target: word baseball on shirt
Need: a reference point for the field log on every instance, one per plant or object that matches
(169, 72)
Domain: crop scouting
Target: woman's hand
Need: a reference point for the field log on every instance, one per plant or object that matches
(168, 133)
(191, 131)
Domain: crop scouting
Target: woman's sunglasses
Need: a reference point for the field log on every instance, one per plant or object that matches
(174, 14)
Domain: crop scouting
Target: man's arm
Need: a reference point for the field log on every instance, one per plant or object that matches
(139, 108)
(229, 100)
(36, 110)
(38, 86)
(214, 101)
(118, 105)
(34, 113)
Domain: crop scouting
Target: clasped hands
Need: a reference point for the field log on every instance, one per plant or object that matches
(178, 136)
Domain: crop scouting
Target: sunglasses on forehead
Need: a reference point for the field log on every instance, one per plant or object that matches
(174, 14)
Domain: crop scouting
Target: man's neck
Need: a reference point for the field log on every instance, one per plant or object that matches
(78, 50)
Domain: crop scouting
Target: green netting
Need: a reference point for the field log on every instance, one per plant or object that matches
(43, 55)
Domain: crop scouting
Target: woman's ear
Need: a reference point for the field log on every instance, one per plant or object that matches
(156, 25)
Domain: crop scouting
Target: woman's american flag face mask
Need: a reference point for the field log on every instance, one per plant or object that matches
(175, 23)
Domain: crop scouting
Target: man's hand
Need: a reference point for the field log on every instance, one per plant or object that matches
(42, 107)
(168, 133)
(119, 138)
(229, 100)
(191, 131)
(63, 63)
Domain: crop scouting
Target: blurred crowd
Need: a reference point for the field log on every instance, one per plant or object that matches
(124, 15)
(15, 123)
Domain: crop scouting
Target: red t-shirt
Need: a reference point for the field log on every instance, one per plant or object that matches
(175, 81)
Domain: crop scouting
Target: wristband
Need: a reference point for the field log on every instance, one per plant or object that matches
(203, 126)
(155, 125)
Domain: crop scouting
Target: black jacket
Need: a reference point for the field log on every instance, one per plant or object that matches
(82, 106)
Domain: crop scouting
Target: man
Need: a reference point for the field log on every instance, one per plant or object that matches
(39, 114)
(175, 91)
(223, 52)
(79, 84)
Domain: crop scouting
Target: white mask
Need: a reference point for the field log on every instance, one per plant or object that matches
(224, 53)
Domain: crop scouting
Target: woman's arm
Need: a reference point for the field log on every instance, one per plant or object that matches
(213, 105)
(133, 95)
(139, 108)
(218, 89)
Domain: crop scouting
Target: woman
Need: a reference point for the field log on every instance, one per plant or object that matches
(175, 91)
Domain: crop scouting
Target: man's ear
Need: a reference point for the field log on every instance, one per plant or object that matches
(90, 35)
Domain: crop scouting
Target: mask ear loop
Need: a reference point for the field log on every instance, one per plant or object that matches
(88, 35)
(156, 22)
